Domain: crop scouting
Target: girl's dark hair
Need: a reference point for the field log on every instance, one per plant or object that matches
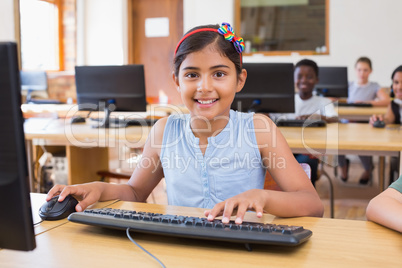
(398, 69)
(200, 40)
(365, 60)
(309, 63)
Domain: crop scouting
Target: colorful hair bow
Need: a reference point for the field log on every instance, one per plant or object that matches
(227, 31)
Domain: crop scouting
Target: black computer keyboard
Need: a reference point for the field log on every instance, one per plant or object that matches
(300, 123)
(193, 227)
(345, 104)
(44, 101)
(128, 122)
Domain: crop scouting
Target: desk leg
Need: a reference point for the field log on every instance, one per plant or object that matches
(381, 172)
(29, 152)
(83, 163)
(400, 163)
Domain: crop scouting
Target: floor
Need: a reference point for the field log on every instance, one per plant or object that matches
(351, 199)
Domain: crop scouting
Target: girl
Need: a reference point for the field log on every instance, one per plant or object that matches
(212, 157)
(362, 90)
(394, 111)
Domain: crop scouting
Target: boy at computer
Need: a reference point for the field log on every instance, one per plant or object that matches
(309, 106)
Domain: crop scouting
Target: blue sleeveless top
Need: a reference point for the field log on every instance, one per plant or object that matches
(231, 164)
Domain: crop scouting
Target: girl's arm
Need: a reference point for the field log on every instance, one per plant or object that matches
(298, 197)
(383, 99)
(386, 209)
(388, 118)
(148, 172)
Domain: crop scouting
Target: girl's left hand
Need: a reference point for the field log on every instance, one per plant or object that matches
(238, 205)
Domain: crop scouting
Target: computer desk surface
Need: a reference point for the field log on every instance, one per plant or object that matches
(335, 243)
(360, 113)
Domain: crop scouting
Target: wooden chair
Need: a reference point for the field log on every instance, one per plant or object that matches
(121, 177)
(270, 184)
(107, 174)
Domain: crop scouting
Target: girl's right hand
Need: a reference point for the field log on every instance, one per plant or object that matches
(88, 194)
(374, 118)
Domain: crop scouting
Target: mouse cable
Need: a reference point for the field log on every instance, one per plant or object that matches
(146, 251)
(37, 223)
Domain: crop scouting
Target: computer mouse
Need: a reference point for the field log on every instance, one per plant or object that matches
(77, 119)
(379, 124)
(55, 210)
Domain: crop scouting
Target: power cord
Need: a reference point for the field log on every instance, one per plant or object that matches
(146, 251)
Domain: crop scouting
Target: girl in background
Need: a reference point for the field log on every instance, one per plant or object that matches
(363, 91)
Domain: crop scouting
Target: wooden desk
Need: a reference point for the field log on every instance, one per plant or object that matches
(359, 113)
(37, 200)
(69, 110)
(335, 243)
(87, 148)
(360, 139)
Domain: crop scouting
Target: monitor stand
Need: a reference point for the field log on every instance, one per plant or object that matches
(106, 123)
(254, 104)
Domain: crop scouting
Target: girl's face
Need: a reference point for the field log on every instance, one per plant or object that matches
(305, 79)
(208, 82)
(397, 85)
(363, 72)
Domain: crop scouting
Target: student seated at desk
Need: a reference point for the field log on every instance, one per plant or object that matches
(214, 157)
(309, 106)
(363, 91)
(394, 110)
(386, 208)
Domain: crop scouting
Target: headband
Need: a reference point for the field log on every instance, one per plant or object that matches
(225, 30)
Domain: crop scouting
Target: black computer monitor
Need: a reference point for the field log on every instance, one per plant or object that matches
(33, 80)
(16, 223)
(333, 82)
(269, 88)
(111, 88)
(35, 83)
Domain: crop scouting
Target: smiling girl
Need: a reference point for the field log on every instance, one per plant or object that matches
(213, 157)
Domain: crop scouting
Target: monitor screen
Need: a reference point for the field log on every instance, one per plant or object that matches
(333, 82)
(122, 85)
(16, 224)
(269, 88)
(33, 80)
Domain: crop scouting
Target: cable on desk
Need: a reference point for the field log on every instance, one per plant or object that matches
(37, 223)
(87, 116)
(146, 251)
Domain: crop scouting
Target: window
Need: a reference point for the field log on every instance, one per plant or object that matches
(39, 34)
(48, 34)
(280, 27)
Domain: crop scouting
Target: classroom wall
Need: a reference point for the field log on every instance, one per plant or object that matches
(357, 28)
(7, 20)
(102, 38)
